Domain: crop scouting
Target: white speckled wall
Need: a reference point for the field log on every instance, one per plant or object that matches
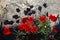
(53, 7)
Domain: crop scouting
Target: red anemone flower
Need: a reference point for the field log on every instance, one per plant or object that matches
(31, 19)
(21, 26)
(34, 29)
(27, 27)
(24, 20)
(43, 18)
(52, 18)
(7, 30)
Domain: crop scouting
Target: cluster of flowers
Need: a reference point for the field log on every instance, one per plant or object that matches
(27, 24)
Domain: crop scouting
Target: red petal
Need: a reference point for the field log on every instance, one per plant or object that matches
(21, 26)
(24, 20)
(28, 29)
(7, 33)
(31, 19)
(34, 29)
(43, 18)
(53, 18)
(6, 30)
(55, 31)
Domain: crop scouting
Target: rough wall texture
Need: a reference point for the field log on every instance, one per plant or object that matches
(11, 5)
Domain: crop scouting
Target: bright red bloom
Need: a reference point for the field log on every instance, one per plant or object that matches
(34, 29)
(52, 18)
(7, 30)
(31, 19)
(24, 20)
(54, 29)
(21, 26)
(27, 24)
(27, 27)
(43, 18)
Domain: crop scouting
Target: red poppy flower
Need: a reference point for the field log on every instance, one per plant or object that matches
(24, 20)
(27, 24)
(52, 18)
(31, 19)
(21, 26)
(6, 30)
(43, 18)
(27, 27)
(34, 29)
(54, 29)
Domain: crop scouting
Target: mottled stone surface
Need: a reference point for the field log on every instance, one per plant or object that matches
(11, 5)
